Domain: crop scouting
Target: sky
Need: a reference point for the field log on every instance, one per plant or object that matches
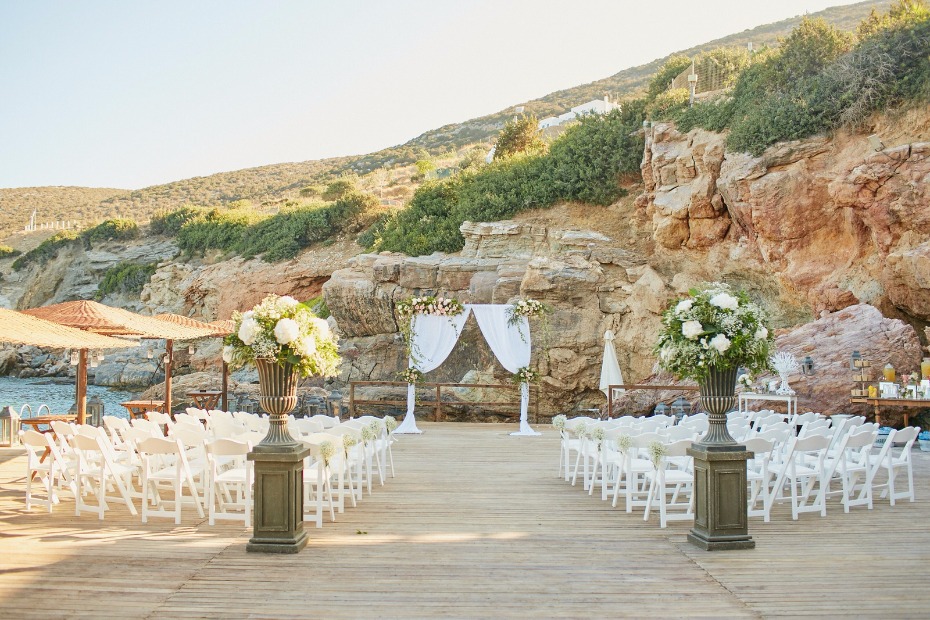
(132, 94)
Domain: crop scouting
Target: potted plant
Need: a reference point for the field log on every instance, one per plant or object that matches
(707, 336)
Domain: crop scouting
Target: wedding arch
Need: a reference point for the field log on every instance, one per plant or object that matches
(435, 327)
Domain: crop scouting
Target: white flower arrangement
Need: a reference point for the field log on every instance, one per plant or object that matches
(390, 423)
(529, 308)
(558, 422)
(410, 375)
(525, 375)
(744, 381)
(624, 443)
(284, 330)
(656, 453)
(327, 450)
(348, 441)
(408, 308)
(580, 429)
(596, 435)
(714, 326)
(369, 434)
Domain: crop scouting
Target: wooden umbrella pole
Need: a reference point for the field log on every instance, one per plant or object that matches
(81, 386)
(169, 349)
(225, 386)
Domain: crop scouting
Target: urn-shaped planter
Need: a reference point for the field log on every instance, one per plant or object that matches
(277, 384)
(718, 395)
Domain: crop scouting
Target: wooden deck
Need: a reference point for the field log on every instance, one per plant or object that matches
(475, 525)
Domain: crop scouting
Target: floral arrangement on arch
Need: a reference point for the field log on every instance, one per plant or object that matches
(713, 326)
(525, 375)
(284, 330)
(529, 308)
(429, 304)
(410, 375)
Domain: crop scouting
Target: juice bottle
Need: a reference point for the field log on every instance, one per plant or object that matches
(889, 373)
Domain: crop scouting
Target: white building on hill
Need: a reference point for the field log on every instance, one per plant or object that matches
(595, 106)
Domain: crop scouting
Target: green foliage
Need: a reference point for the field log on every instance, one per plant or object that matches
(125, 278)
(6, 251)
(318, 306)
(473, 158)
(668, 103)
(111, 230)
(213, 229)
(820, 80)
(424, 166)
(585, 163)
(47, 249)
(664, 76)
(165, 222)
(519, 136)
(339, 188)
(372, 235)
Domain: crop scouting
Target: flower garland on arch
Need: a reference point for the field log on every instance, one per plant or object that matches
(531, 309)
(429, 304)
(410, 375)
(525, 375)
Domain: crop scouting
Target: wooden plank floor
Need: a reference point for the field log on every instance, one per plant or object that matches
(476, 525)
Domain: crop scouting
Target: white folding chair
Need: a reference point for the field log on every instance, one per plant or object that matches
(895, 464)
(668, 484)
(164, 461)
(850, 462)
(96, 471)
(38, 447)
(803, 470)
(758, 476)
(229, 486)
(317, 474)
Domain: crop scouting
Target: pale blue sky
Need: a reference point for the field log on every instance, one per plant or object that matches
(134, 93)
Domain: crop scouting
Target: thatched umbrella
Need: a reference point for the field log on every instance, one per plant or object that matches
(210, 329)
(20, 328)
(100, 319)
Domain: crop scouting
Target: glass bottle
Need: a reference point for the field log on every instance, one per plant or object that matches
(889, 373)
(925, 368)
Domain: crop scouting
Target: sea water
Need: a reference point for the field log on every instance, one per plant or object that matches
(58, 395)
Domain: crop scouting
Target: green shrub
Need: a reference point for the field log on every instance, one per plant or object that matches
(520, 136)
(585, 163)
(372, 234)
(666, 104)
(339, 188)
(111, 230)
(664, 76)
(319, 307)
(166, 222)
(213, 229)
(6, 251)
(125, 278)
(47, 249)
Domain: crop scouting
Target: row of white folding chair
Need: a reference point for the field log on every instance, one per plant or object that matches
(668, 483)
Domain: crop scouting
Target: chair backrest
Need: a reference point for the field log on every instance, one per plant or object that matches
(860, 439)
(678, 433)
(117, 427)
(677, 448)
(228, 447)
(643, 440)
(148, 426)
(759, 446)
(190, 437)
(159, 445)
(33, 440)
(327, 421)
(772, 426)
(822, 431)
(805, 418)
(158, 417)
(186, 418)
(907, 436)
(308, 425)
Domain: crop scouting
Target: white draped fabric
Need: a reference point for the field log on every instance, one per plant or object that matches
(433, 339)
(610, 367)
(511, 347)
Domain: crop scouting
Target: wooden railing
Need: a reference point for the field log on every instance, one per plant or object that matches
(437, 403)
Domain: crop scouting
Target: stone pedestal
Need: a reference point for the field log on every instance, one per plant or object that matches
(279, 498)
(720, 519)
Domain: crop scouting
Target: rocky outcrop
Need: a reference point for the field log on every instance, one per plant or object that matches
(833, 221)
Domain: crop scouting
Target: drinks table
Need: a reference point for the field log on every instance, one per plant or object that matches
(906, 403)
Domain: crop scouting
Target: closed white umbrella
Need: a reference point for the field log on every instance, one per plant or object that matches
(610, 367)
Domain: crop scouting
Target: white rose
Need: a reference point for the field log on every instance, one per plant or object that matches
(691, 329)
(762, 333)
(683, 306)
(725, 301)
(248, 329)
(228, 353)
(306, 346)
(286, 330)
(720, 342)
(287, 301)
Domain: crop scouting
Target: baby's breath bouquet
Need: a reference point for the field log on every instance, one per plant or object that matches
(286, 331)
(714, 326)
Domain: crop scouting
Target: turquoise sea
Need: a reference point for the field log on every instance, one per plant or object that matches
(58, 394)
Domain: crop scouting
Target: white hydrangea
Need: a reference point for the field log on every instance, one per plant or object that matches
(321, 326)
(305, 346)
(683, 306)
(762, 333)
(691, 329)
(287, 302)
(248, 330)
(286, 331)
(228, 353)
(724, 301)
(720, 342)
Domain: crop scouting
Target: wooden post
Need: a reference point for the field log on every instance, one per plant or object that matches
(438, 404)
(225, 386)
(81, 387)
(169, 348)
(351, 399)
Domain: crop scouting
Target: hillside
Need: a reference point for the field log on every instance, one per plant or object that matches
(277, 182)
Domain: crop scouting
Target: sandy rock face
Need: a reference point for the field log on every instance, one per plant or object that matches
(838, 223)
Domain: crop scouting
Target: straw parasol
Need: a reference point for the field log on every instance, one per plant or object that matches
(101, 319)
(211, 330)
(20, 328)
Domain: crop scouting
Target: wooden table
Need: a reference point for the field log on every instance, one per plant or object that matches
(878, 403)
(138, 408)
(46, 421)
(206, 399)
(790, 400)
